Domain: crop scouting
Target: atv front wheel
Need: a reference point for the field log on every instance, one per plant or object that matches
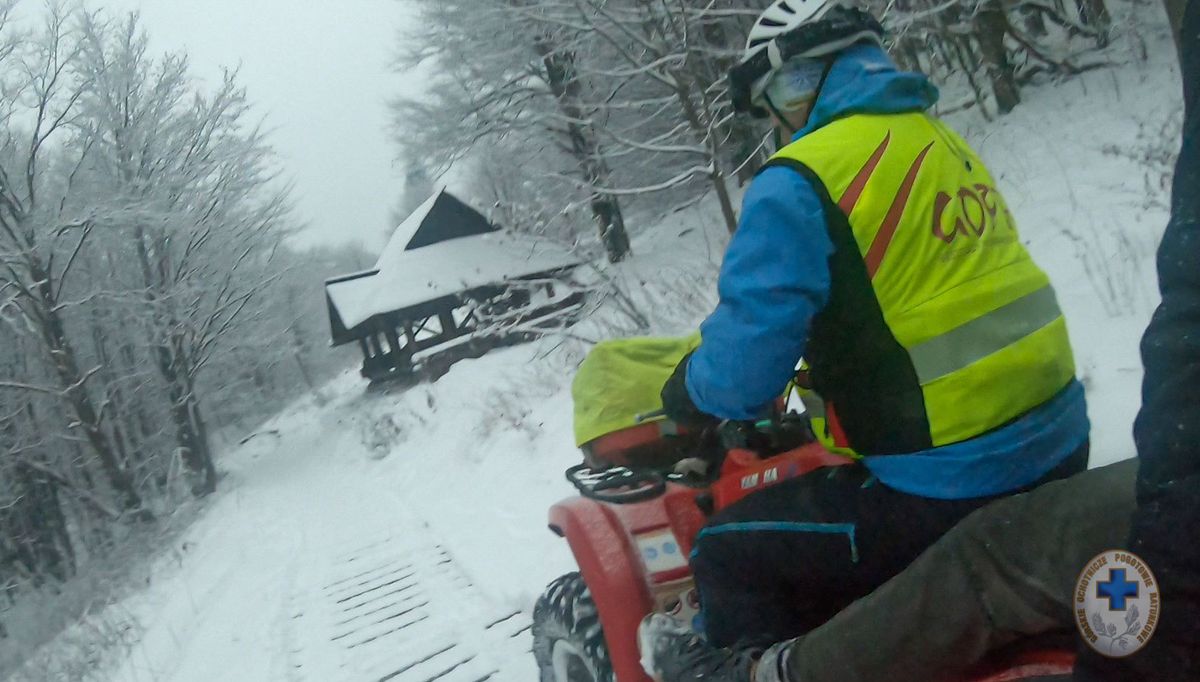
(568, 640)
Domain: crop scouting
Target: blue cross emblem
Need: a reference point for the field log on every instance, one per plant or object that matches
(1116, 589)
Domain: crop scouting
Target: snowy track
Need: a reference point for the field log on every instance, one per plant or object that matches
(310, 568)
(399, 609)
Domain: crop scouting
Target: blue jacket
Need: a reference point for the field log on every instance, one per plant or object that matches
(775, 278)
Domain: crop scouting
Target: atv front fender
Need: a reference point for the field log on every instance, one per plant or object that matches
(604, 539)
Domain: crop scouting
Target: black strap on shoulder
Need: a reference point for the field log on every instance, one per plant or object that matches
(858, 365)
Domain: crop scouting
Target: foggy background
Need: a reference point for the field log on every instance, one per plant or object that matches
(320, 74)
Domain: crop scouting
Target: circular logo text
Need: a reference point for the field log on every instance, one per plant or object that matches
(1116, 603)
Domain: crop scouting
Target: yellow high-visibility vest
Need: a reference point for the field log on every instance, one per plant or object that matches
(940, 327)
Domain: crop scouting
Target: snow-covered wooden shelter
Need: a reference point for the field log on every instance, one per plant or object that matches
(448, 285)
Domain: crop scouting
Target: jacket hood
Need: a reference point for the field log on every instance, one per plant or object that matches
(864, 80)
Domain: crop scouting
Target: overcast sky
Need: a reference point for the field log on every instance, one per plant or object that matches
(319, 71)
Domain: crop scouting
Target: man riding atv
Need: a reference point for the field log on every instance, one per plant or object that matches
(876, 246)
(1010, 569)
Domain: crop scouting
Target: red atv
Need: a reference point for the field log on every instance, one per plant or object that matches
(632, 527)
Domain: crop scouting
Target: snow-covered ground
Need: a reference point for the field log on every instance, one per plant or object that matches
(315, 564)
(371, 536)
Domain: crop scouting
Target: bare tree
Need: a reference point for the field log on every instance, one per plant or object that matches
(501, 76)
(192, 194)
(146, 303)
(562, 77)
(683, 47)
(638, 87)
(41, 232)
(996, 46)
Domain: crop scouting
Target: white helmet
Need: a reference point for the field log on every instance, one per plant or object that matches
(782, 16)
(809, 29)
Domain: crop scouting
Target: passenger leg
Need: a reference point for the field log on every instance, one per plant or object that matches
(1006, 572)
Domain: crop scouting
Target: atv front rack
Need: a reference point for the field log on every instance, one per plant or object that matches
(617, 485)
(623, 478)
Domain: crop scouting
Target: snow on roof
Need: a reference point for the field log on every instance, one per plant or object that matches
(410, 277)
(406, 230)
(440, 217)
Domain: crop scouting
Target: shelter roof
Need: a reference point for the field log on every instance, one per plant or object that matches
(472, 253)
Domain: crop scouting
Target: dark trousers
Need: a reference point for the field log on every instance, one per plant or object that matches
(786, 559)
(1005, 573)
(1164, 535)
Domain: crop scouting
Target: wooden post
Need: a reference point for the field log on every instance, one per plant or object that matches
(393, 339)
(449, 327)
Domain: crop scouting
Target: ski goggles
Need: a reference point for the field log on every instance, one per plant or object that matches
(792, 86)
(840, 28)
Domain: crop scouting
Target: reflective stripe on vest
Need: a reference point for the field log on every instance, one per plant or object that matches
(987, 334)
(976, 316)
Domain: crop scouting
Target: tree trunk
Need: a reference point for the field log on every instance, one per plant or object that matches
(141, 424)
(300, 348)
(991, 25)
(606, 209)
(87, 417)
(171, 359)
(701, 123)
(963, 52)
(74, 391)
(727, 211)
(607, 212)
(44, 539)
(746, 140)
(113, 394)
(34, 528)
(199, 428)
(185, 416)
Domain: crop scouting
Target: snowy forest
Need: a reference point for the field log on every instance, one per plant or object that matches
(570, 111)
(154, 311)
(148, 298)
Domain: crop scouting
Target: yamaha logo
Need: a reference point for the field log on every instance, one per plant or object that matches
(1117, 603)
